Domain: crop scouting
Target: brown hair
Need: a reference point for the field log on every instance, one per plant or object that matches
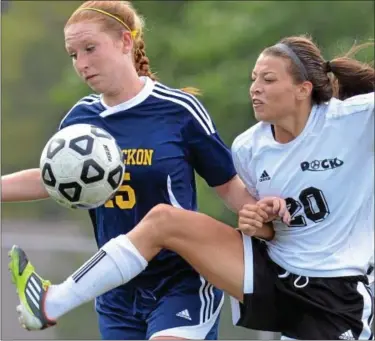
(342, 77)
(125, 12)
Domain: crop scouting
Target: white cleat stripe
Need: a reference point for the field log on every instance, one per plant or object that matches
(36, 296)
(32, 298)
(37, 286)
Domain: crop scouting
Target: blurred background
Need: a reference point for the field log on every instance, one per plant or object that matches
(211, 45)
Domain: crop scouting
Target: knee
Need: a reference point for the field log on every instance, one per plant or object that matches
(161, 215)
(164, 225)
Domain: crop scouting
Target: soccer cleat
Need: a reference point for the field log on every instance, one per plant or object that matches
(31, 289)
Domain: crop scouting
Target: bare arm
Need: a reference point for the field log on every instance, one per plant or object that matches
(235, 196)
(25, 185)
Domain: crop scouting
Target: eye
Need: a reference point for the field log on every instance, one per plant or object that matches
(90, 48)
(73, 55)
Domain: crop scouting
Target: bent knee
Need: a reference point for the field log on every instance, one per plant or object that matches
(162, 214)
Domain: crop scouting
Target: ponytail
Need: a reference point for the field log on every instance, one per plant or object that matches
(142, 65)
(350, 76)
(192, 91)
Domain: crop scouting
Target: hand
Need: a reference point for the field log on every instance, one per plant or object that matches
(275, 207)
(251, 218)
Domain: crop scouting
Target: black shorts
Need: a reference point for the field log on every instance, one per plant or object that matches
(301, 307)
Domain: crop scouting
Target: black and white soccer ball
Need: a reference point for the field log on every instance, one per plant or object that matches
(82, 166)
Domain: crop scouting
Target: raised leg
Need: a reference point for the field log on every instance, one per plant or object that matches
(213, 248)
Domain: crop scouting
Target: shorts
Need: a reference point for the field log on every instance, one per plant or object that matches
(301, 307)
(189, 309)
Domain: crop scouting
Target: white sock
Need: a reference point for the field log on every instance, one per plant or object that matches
(116, 263)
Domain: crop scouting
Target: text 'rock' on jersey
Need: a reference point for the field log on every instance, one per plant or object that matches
(326, 175)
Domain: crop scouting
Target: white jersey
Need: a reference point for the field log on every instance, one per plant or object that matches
(326, 176)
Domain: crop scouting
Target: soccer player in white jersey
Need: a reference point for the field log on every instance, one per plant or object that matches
(313, 146)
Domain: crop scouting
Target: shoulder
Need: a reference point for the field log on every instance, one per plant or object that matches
(174, 95)
(186, 104)
(244, 143)
(351, 106)
(244, 148)
(84, 105)
(86, 101)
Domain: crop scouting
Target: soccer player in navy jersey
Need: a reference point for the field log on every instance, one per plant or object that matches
(314, 146)
(166, 135)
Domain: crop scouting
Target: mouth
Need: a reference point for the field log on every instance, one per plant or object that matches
(87, 78)
(257, 102)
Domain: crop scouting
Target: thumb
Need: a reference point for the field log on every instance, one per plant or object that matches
(268, 201)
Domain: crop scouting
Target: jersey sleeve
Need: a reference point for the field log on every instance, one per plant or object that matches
(356, 117)
(78, 113)
(242, 158)
(360, 105)
(207, 152)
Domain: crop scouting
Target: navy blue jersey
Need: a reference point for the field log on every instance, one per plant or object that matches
(165, 135)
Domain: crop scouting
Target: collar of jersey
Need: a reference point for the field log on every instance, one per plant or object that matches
(139, 98)
(315, 110)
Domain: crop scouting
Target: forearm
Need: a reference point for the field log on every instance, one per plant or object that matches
(235, 195)
(25, 185)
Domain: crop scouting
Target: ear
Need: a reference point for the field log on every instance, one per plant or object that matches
(127, 41)
(304, 90)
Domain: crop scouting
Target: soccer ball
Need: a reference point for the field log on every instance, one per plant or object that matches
(82, 166)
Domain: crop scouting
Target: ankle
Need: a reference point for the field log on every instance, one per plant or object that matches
(50, 321)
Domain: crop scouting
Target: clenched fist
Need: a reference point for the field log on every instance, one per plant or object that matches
(251, 218)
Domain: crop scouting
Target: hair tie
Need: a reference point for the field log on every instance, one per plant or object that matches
(327, 67)
(293, 56)
(132, 32)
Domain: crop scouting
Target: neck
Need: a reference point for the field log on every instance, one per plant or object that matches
(128, 90)
(291, 126)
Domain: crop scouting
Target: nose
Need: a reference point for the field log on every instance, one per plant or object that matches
(81, 64)
(255, 89)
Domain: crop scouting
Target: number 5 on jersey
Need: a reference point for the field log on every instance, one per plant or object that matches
(124, 198)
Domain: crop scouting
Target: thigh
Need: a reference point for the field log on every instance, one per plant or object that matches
(190, 313)
(211, 247)
(328, 309)
(120, 325)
